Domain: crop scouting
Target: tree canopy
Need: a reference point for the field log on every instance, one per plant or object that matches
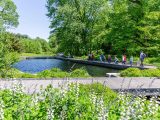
(8, 42)
(8, 14)
(115, 26)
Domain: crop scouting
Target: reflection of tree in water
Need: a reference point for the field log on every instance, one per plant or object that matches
(98, 71)
(37, 65)
(65, 65)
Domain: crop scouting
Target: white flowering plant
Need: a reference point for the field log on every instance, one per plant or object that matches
(76, 102)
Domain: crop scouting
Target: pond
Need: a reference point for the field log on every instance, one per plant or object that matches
(37, 65)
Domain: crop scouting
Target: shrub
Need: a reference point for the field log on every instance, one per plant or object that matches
(53, 73)
(27, 75)
(135, 72)
(79, 73)
(56, 70)
(100, 90)
(44, 74)
(151, 73)
(59, 74)
(131, 72)
(10, 73)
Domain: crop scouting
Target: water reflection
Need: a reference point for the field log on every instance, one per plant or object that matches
(38, 65)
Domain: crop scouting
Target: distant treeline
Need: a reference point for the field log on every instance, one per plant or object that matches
(23, 43)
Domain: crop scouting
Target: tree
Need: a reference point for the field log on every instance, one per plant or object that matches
(37, 45)
(149, 27)
(44, 44)
(115, 26)
(53, 41)
(11, 42)
(8, 42)
(74, 22)
(8, 14)
(134, 26)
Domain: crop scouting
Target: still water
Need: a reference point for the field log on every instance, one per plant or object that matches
(37, 65)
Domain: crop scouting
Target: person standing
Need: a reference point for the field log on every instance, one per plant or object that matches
(109, 59)
(102, 58)
(124, 59)
(92, 56)
(116, 59)
(142, 56)
(131, 60)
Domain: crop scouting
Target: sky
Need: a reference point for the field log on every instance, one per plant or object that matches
(32, 18)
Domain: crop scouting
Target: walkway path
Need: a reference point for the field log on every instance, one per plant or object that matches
(95, 63)
(114, 83)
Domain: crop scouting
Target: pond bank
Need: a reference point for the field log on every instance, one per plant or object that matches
(95, 63)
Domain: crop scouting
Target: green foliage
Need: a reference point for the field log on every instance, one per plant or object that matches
(135, 72)
(34, 45)
(8, 15)
(6, 62)
(44, 74)
(79, 73)
(44, 44)
(19, 105)
(35, 55)
(10, 42)
(53, 73)
(115, 26)
(130, 27)
(57, 73)
(75, 102)
(154, 60)
(10, 47)
(82, 57)
(130, 72)
(100, 90)
(22, 43)
(27, 75)
(151, 73)
(97, 57)
(53, 43)
(73, 22)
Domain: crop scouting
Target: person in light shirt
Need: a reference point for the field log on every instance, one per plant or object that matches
(142, 56)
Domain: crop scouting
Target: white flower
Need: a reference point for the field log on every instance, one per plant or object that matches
(50, 114)
(1, 110)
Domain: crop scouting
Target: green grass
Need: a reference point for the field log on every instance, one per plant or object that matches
(53, 73)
